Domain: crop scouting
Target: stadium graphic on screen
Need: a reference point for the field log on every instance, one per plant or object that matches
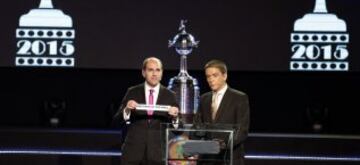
(319, 42)
(45, 38)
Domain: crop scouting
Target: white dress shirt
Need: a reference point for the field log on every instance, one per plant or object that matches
(220, 95)
(147, 93)
(155, 92)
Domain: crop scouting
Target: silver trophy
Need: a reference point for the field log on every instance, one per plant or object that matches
(186, 87)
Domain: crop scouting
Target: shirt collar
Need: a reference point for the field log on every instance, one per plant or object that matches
(156, 88)
(222, 90)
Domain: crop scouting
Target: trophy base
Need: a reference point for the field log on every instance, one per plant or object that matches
(187, 118)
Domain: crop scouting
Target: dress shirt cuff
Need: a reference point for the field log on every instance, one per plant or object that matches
(175, 123)
(126, 115)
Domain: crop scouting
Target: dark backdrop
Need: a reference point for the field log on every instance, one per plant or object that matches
(114, 36)
(280, 101)
(249, 35)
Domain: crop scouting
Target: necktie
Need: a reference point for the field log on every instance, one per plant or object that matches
(151, 102)
(214, 105)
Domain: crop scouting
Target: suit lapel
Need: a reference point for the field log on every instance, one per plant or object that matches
(161, 94)
(143, 94)
(224, 104)
(207, 108)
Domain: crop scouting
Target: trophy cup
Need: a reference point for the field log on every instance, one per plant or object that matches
(185, 87)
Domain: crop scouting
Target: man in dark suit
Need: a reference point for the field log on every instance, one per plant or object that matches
(142, 144)
(225, 105)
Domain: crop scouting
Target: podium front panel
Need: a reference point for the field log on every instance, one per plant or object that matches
(196, 145)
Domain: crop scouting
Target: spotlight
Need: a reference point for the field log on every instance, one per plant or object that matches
(317, 116)
(54, 112)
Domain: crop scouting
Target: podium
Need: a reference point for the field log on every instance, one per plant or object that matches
(198, 144)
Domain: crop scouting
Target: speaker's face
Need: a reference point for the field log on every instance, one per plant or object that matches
(215, 78)
(152, 72)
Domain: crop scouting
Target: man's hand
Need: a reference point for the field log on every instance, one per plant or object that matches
(173, 111)
(131, 106)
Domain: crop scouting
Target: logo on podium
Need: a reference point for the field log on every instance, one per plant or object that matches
(45, 38)
(319, 42)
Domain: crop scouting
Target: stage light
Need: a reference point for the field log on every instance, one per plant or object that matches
(317, 116)
(54, 112)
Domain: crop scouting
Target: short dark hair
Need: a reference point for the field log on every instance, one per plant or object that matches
(217, 64)
(152, 59)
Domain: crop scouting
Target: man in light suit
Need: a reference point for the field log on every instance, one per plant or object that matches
(142, 145)
(225, 105)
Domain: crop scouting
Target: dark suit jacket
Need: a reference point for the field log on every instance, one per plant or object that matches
(143, 139)
(233, 109)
